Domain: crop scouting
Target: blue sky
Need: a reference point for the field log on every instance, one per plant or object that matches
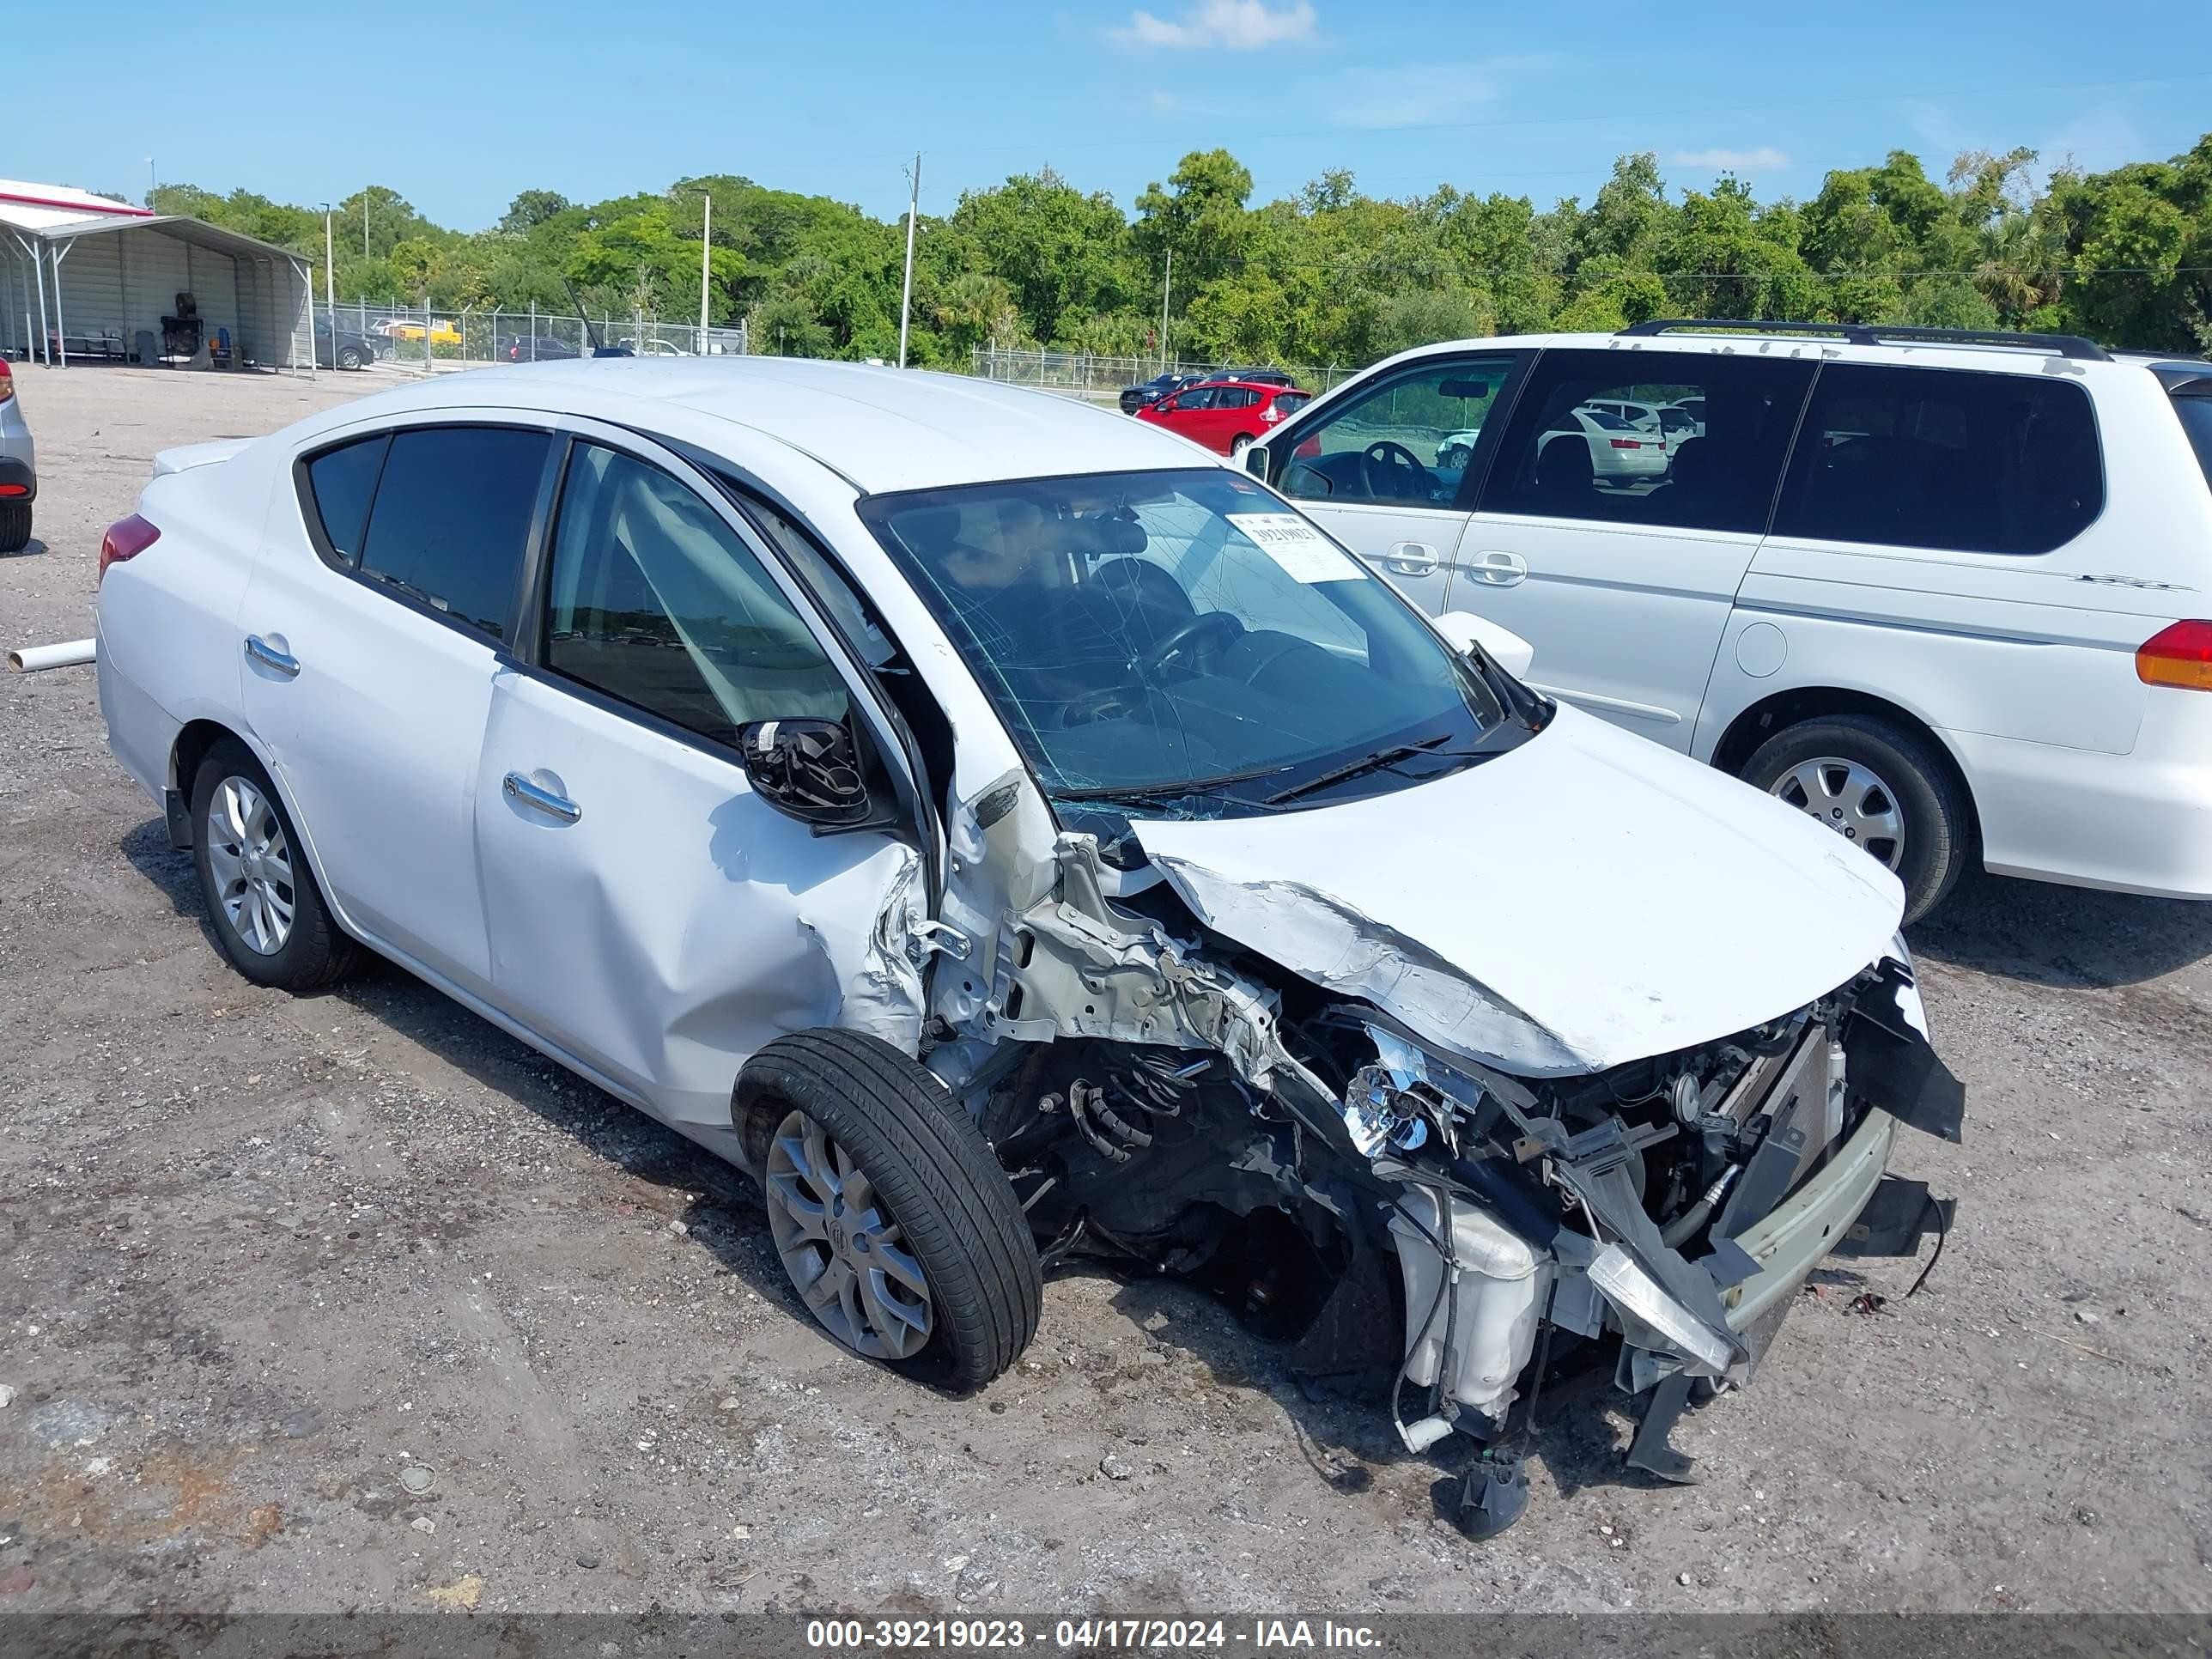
(458, 106)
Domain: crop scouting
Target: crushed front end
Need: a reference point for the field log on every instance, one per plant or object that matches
(1416, 1223)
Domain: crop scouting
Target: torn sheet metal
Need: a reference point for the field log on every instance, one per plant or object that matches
(1512, 888)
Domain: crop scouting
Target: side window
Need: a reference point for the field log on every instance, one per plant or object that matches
(1199, 396)
(452, 520)
(655, 601)
(340, 483)
(837, 595)
(1569, 453)
(1952, 459)
(1406, 440)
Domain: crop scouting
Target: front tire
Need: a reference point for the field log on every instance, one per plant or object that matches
(268, 914)
(1879, 786)
(14, 527)
(888, 1210)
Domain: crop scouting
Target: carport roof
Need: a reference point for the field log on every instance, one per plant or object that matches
(198, 232)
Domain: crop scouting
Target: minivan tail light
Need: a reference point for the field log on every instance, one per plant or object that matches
(7, 381)
(126, 538)
(2180, 655)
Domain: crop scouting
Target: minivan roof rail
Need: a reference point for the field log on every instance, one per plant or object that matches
(2063, 345)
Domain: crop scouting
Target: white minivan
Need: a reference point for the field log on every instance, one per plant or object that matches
(1945, 591)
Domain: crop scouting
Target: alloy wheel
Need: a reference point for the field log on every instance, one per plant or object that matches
(251, 863)
(841, 1247)
(1851, 800)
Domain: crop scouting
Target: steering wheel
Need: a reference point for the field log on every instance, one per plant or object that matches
(1212, 621)
(1392, 472)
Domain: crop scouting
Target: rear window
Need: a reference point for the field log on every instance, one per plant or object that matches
(2194, 408)
(1288, 402)
(340, 482)
(453, 518)
(1952, 459)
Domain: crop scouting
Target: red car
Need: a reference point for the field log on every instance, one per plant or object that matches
(1227, 415)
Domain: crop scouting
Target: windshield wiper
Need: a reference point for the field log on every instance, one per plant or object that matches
(1381, 760)
(1162, 791)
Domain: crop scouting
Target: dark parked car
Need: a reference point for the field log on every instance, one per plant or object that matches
(345, 347)
(526, 349)
(1135, 397)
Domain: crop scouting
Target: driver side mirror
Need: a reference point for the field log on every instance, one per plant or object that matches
(808, 769)
(1255, 461)
(1465, 631)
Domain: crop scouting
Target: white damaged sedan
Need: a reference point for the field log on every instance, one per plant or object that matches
(1011, 838)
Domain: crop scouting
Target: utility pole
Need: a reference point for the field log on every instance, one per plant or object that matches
(1167, 284)
(906, 293)
(150, 185)
(706, 260)
(329, 282)
(365, 253)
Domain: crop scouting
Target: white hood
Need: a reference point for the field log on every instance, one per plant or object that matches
(1587, 899)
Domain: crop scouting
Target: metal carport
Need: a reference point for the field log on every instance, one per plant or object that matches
(113, 270)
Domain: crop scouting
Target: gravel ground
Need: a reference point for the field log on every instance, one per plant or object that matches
(351, 1301)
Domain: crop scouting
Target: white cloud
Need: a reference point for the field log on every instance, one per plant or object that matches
(1420, 95)
(1163, 101)
(1764, 159)
(1237, 25)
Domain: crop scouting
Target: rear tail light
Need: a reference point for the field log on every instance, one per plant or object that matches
(2178, 656)
(7, 381)
(126, 538)
(1628, 443)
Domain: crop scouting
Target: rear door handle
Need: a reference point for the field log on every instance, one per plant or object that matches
(1496, 569)
(1411, 559)
(519, 788)
(259, 650)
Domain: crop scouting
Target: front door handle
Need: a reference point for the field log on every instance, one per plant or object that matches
(1496, 569)
(1411, 559)
(281, 662)
(519, 788)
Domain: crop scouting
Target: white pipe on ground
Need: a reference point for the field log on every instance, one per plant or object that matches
(33, 658)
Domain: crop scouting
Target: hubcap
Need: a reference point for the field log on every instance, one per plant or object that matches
(841, 1246)
(251, 865)
(1852, 800)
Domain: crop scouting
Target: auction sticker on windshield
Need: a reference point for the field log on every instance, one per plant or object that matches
(1306, 554)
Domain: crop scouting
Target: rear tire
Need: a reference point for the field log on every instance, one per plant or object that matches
(14, 527)
(840, 1108)
(268, 914)
(1937, 824)
(1240, 443)
(351, 357)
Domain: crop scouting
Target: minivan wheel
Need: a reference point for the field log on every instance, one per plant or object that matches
(1878, 785)
(14, 527)
(268, 914)
(891, 1215)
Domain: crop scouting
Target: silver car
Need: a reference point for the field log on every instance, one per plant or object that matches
(19, 468)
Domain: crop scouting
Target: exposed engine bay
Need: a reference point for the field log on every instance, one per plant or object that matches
(1417, 1224)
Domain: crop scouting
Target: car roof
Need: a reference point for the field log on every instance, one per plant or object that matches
(1749, 340)
(880, 429)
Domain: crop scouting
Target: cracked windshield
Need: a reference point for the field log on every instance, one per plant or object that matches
(1183, 640)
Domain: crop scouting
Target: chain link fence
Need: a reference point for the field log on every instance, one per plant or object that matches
(1100, 377)
(359, 334)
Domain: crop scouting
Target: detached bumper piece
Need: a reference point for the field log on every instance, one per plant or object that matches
(1898, 1216)
(1893, 1065)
